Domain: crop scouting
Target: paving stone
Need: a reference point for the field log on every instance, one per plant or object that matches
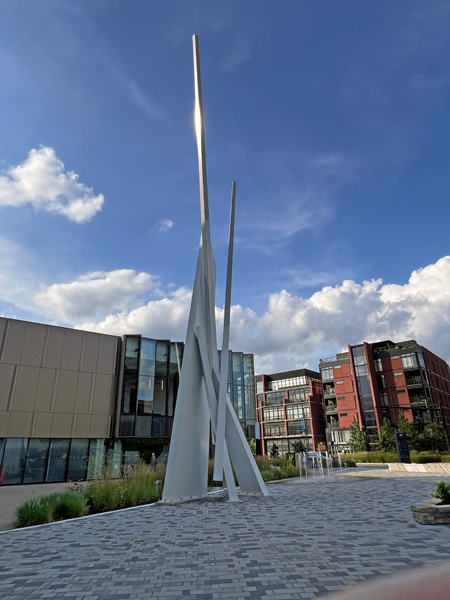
(304, 541)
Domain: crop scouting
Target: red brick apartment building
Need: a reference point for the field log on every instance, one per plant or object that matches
(290, 409)
(373, 381)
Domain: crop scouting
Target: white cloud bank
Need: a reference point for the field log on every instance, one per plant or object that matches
(95, 294)
(42, 182)
(294, 330)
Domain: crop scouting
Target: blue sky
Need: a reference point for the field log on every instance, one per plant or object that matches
(333, 118)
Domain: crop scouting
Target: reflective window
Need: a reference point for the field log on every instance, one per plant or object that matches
(147, 357)
(78, 458)
(259, 387)
(274, 430)
(298, 427)
(275, 398)
(378, 365)
(97, 456)
(398, 374)
(260, 398)
(36, 461)
(143, 426)
(14, 460)
(162, 358)
(327, 373)
(409, 360)
(301, 394)
(114, 458)
(159, 406)
(274, 413)
(298, 411)
(361, 371)
(57, 460)
(131, 353)
(421, 361)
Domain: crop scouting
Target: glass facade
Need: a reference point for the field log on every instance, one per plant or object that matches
(365, 394)
(151, 376)
(44, 460)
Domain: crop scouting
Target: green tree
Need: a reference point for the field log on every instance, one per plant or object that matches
(274, 451)
(433, 437)
(298, 446)
(252, 444)
(412, 435)
(387, 440)
(358, 441)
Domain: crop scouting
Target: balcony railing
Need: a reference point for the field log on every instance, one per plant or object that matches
(414, 380)
(331, 407)
(331, 391)
(333, 425)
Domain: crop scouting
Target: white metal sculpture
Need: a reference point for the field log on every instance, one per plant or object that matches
(203, 404)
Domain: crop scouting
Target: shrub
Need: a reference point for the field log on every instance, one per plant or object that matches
(262, 463)
(267, 474)
(442, 491)
(70, 504)
(291, 471)
(35, 511)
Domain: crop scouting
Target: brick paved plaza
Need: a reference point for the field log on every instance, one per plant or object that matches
(302, 542)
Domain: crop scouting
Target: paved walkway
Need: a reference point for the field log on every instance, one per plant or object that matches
(303, 541)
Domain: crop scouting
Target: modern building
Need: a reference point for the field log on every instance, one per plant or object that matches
(74, 401)
(373, 381)
(290, 409)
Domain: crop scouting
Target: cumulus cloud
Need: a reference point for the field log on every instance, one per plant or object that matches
(95, 294)
(165, 224)
(164, 318)
(42, 182)
(296, 330)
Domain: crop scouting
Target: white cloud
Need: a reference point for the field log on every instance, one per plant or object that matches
(164, 318)
(42, 182)
(294, 330)
(95, 294)
(165, 224)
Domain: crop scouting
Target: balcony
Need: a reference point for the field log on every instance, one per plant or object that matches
(328, 392)
(333, 424)
(417, 400)
(330, 407)
(415, 380)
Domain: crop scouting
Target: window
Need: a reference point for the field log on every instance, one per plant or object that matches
(260, 399)
(361, 371)
(378, 365)
(398, 374)
(259, 387)
(300, 395)
(409, 360)
(338, 367)
(275, 430)
(339, 382)
(273, 413)
(359, 360)
(400, 391)
(384, 399)
(327, 373)
(343, 414)
(380, 382)
(297, 412)
(421, 361)
(341, 398)
(275, 398)
(281, 384)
